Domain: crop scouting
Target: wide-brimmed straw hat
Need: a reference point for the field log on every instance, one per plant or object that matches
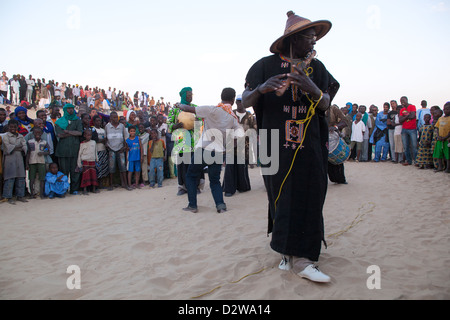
(297, 24)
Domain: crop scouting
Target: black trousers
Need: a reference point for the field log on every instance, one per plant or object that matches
(336, 173)
(236, 178)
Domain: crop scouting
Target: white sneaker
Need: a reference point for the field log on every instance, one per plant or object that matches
(285, 264)
(313, 273)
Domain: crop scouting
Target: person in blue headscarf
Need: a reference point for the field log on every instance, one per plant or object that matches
(25, 123)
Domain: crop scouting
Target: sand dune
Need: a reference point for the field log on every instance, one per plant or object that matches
(141, 245)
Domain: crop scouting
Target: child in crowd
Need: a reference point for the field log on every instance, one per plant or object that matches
(437, 114)
(102, 163)
(14, 148)
(157, 154)
(144, 138)
(134, 158)
(38, 149)
(87, 158)
(442, 150)
(358, 130)
(56, 183)
(116, 135)
(3, 120)
(398, 142)
(424, 155)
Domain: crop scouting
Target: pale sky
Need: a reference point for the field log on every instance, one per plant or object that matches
(378, 50)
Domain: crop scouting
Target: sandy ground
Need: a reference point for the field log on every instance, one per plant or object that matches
(141, 245)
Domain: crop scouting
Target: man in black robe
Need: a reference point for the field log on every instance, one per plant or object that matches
(297, 192)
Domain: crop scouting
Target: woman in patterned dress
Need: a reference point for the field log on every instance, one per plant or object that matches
(424, 155)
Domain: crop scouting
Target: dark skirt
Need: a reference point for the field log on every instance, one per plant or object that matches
(236, 178)
(102, 164)
(89, 175)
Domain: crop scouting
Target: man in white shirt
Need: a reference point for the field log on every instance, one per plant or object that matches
(76, 94)
(4, 86)
(30, 88)
(57, 90)
(109, 94)
(219, 121)
(15, 91)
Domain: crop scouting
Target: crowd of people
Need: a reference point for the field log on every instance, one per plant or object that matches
(79, 144)
(91, 146)
(78, 140)
(39, 93)
(401, 134)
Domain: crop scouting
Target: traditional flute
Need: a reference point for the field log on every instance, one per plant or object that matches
(304, 65)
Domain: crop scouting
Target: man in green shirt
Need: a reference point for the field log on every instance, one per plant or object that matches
(184, 141)
(69, 130)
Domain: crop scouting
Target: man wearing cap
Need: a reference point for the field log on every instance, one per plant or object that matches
(290, 93)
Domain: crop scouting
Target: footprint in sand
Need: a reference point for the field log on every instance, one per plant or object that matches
(143, 247)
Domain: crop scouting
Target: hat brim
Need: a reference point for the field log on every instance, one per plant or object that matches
(322, 28)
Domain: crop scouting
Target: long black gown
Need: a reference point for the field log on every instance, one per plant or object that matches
(296, 224)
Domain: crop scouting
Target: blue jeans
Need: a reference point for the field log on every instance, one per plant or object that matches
(381, 146)
(193, 175)
(409, 138)
(8, 187)
(158, 164)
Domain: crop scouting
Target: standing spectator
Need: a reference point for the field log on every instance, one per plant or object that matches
(109, 94)
(23, 88)
(116, 135)
(48, 132)
(114, 99)
(424, 153)
(236, 176)
(46, 96)
(38, 149)
(134, 158)
(14, 149)
(76, 94)
(4, 87)
(144, 137)
(392, 115)
(357, 139)
(37, 92)
(381, 135)
(437, 114)
(57, 90)
(157, 154)
(30, 87)
(69, 130)
(442, 150)
(408, 120)
(399, 150)
(421, 113)
(365, 119)
(86, 162)
(103, 163)
(373, 112)
(15, 91)
(69, 94)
